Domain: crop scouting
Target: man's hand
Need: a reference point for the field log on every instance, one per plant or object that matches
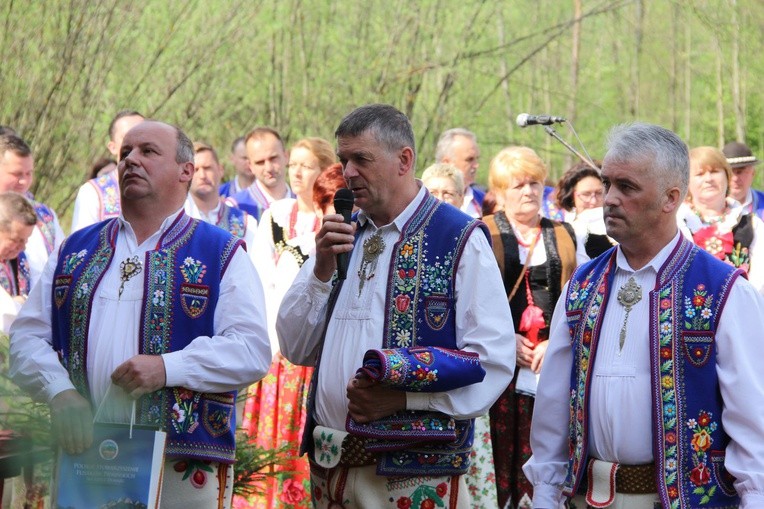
(140, 375)
(334, 237)
(369, 401)
(71, 418)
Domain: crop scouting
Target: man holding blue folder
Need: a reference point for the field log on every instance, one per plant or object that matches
(163, 306)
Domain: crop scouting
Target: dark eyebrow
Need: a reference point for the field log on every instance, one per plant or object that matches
(359, 154)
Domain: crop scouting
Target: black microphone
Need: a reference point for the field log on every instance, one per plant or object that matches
(343, 204)
(524, 120)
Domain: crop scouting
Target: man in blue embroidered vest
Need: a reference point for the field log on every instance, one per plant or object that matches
(651, 391)
(99, 198)
(459, 147)
(402, 344)
(16, 174)
(743, 164)
(243, 176)
(17, 222)
(267, 161)
(205, 203)
(152, 306)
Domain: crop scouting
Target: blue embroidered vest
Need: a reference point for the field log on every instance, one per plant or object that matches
(46, 222)
(233, 220)
(420, 312)
(181, 288)
(689, 441)
(107, 188)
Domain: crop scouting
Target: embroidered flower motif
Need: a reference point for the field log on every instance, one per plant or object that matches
(178, 414)
(667, 382)
(671, 464)
(407, 250)
(700, 475)
(665, 303)
(403, 338)
(158, 299)
(193, 270)
(701, 441)
(404, 503)
(665, 352)
(698, 309)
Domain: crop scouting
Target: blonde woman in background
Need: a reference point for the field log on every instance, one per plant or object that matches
(536, 257)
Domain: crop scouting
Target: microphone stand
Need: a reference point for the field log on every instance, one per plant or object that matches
(554, 134)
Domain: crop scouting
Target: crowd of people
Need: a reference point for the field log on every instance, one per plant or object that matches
(452, 364)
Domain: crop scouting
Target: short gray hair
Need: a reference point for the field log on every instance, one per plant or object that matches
(445, 170)
(184, 153)
(15, 207)
(387, 124)
(670, 160)
(445, 145)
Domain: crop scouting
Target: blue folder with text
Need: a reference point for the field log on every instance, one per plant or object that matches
(116, 472)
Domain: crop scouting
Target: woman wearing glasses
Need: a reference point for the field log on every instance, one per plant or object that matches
(581, 194)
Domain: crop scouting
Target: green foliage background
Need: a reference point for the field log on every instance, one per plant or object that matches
(219, 67)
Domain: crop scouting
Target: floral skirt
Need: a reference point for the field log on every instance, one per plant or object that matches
(510, 434)
(274, 416)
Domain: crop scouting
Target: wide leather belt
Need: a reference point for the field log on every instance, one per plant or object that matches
(635, 479)
(354, 452)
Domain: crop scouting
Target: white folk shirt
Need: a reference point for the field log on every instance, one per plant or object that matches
(278, 272)
(620, 402)
(483, 325)
(213, 217)
(236, 356)
(37, 252)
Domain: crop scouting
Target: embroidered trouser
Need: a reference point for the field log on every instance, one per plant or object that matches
(362, 488)
(196, 483)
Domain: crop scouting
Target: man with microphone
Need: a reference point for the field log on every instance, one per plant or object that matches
(416, 313)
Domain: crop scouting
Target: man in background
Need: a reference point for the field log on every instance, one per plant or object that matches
(243, 177)
(267, 160)
(17, 222)
(205, 203)
(459, 147)
(99, 198)
(743, 164)
(17, 174)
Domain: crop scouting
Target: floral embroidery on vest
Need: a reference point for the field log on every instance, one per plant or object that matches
(63, 281)
(80, 314)
(579, 297)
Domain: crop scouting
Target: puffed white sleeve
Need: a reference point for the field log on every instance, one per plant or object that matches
(547, 468)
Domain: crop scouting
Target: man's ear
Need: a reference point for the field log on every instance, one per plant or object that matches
(113, 149)
(186, 172)
(406, 158)
(673, 200)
